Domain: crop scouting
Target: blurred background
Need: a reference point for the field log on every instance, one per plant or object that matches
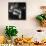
(26, 27)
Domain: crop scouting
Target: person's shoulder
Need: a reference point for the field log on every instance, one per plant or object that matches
(40, 14)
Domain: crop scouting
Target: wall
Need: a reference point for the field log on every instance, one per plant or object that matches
(25, 27)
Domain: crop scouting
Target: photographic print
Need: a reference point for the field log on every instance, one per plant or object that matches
(16, 10)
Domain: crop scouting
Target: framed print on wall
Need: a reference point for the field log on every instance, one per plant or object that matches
(17, 11)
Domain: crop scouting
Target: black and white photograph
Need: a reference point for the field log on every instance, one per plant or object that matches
(17, 10)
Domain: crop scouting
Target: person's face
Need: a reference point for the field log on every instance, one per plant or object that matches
(16, 5)
(44, 10)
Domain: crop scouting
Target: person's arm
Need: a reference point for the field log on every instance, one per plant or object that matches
(17, 12)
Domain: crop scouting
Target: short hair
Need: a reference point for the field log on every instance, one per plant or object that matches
(42, 7)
